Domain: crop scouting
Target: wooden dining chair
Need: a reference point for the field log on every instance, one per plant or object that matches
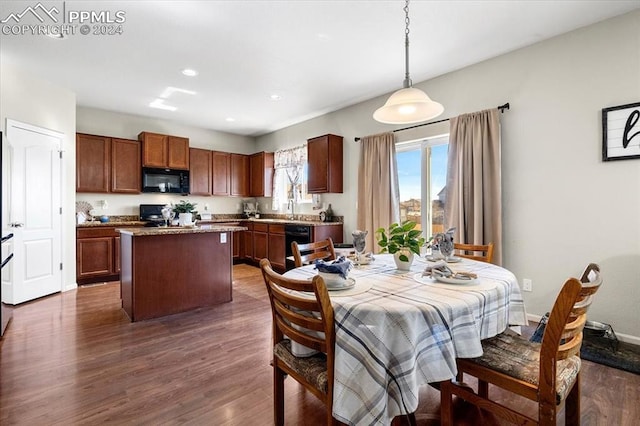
(547, 372)
(317, 332)
(304, 254)
(480, 252)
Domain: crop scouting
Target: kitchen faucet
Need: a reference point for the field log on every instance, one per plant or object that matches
(290, 205)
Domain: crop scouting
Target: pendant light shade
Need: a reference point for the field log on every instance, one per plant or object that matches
(407, 105)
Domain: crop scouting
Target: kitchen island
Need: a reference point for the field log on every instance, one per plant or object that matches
(165, 271)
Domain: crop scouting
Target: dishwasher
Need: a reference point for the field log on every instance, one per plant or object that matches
(298, 233)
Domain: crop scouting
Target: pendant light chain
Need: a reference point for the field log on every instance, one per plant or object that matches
(407, 80)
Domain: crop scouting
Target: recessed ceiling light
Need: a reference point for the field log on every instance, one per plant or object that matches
(171, 90)
(189, 72)
(230, 119)
(57, 36)
(159, 104)
(275, 97)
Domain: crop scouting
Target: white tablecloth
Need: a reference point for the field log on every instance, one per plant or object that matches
(407, 331)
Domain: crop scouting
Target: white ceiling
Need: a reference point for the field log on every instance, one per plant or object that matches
(319, 56)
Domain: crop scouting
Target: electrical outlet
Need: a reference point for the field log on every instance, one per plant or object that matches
(527, 284)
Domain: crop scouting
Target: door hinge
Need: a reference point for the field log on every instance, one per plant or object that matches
(60, 152)
(60, 210)
(61, 266)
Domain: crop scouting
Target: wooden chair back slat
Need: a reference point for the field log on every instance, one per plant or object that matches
(298, 317)
(481, 252)
(303, 254)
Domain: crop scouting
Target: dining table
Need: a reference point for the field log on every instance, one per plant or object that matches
(397, 330)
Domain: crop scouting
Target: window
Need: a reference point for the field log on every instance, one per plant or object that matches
(422, 175)
(290, 179)
(286, 188)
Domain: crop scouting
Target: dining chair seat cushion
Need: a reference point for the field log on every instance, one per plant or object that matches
(313, 368)
(515, 356)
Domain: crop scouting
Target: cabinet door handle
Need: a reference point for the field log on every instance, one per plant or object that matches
(16, 224)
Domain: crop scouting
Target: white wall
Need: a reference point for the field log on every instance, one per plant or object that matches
(109, 123)
(563, 207)
(31, 100)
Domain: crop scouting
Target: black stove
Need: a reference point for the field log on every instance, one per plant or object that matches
(152, 214)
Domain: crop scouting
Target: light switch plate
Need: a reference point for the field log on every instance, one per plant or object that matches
(223, 237)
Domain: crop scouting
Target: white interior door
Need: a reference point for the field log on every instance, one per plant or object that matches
(34, 212)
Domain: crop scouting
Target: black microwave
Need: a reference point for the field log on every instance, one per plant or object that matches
(165, 180)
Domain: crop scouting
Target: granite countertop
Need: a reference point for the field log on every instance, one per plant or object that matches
(285, 221)
(172, 230)
(123, 223)
(97, 223)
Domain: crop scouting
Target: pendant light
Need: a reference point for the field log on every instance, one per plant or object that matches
(407, 105)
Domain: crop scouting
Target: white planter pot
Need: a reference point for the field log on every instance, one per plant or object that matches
(402, 265)
(185, 219)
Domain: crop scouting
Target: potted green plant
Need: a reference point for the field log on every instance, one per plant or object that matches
(401, 240)
(185, 211)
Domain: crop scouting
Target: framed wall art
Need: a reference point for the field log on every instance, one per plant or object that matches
(621, 132)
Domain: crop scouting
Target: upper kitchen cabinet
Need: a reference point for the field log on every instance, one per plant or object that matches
(105, 164)
(324, 164)
(200, 171)
(261, 174)
(164, 151)
(221, 173)
(125, 166)
(93, 161)
(239, 175)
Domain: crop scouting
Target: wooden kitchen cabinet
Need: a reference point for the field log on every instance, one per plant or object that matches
(125, 166)
(324, 164)
(277, 249)
(220, 173)
(322, 232)
(93, 160)
(105, 164)
(239, 175)
(164, 151)
(260, 241)
(247, 242)
(200, 171)
(261, 174)
(95, 257)
(97, 254)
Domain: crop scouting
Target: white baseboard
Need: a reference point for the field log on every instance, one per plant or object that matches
(634, 340)
(71, 286)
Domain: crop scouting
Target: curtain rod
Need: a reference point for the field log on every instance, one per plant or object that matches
(501, 108)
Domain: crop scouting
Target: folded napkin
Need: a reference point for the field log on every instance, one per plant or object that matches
(339, 266)
(441, 269)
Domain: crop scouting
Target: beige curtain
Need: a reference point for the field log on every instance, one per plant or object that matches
(474, 191)
(378, 192)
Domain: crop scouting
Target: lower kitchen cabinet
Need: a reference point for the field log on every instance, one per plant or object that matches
(277, 247)
(260, 241)
(246, 251)
(97, 254)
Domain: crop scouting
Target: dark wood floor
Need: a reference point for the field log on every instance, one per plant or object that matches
(75, 358)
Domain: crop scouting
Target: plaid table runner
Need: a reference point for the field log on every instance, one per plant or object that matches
(407, 331)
